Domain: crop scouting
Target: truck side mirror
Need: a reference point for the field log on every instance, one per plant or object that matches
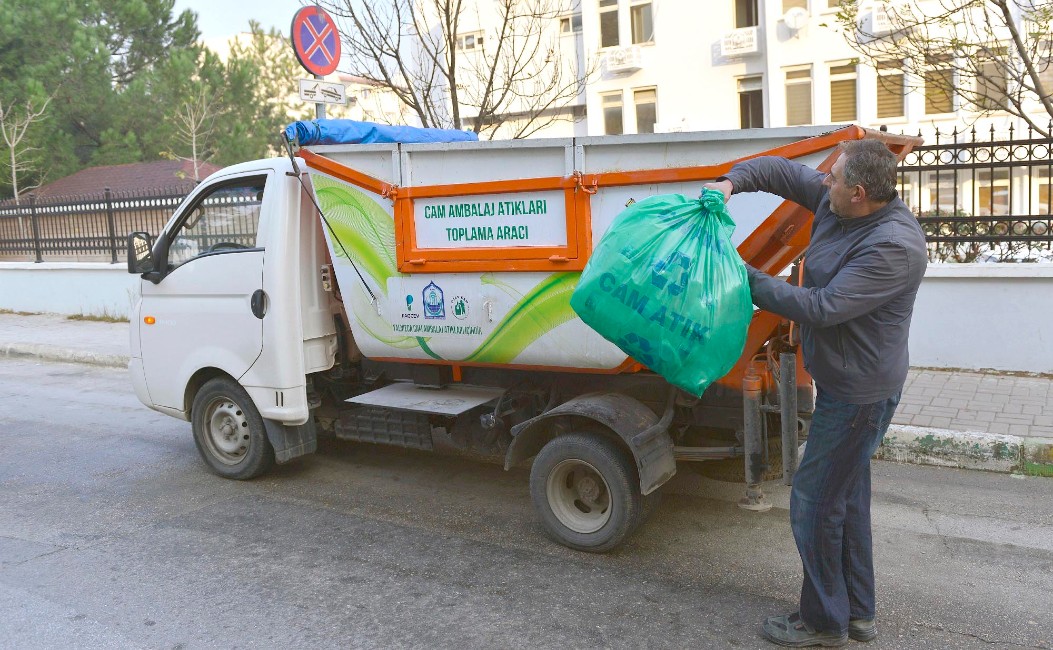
(140, 253)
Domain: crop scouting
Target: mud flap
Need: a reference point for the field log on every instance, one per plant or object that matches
(291, 441)
(634, 423)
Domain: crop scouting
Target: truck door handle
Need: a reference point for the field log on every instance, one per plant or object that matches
(259, 304)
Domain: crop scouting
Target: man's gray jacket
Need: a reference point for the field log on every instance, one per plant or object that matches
(860, 280)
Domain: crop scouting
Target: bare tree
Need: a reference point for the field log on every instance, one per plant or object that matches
(992, 55)
(488, 66)
(194, 123)
(13, 127)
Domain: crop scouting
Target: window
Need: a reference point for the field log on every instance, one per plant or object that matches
(843, 93)
(609, 23)
(570, 24)
(646, 101)
(799, 96)
(745, 13)
(943, 192)
(225, 219)
(833, 4)
(751, 103)
(938, 86)
(890, 89)
(472, 41)
(790, 4)
(1042, 200)
(906, 193)
(641, 22)
(1045, 71)
(612, 113)
(992, 193)
(991, 87)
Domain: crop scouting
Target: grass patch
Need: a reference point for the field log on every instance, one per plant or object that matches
(104, 318)
(1039, 469)
(19, 313)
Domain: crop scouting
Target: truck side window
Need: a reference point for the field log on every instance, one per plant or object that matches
(224, 219)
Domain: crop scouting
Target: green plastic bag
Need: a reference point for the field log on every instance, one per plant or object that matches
(666, 285)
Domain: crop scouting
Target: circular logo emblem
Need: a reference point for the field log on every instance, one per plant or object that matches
(459, 307)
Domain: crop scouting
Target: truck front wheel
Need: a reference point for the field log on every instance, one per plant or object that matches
(584, 487)
(229, 431)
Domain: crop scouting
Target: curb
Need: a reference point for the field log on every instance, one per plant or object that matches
(65, 355)
(976, 450)
(990, 452)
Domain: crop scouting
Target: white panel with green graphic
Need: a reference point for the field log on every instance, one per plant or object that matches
(493, 318)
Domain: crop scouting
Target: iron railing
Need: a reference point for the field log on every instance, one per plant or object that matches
(978, 196)
(95, 227)
(983, 196)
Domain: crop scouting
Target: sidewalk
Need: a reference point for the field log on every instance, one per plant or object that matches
(978, 420)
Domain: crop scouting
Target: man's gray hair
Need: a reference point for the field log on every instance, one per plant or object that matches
(869, 163)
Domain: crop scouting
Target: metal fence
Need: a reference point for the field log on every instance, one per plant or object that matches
(983, 196)
(978, 196)
(85, 227)
(95, 227)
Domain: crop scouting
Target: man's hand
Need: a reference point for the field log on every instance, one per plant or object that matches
(724, 187)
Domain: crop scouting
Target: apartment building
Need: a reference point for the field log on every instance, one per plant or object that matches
(687, 65)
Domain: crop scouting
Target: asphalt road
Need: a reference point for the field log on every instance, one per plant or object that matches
(112, 534)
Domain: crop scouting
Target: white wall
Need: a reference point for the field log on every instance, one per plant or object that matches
(984, 316)
(89, 288)
(971, 316)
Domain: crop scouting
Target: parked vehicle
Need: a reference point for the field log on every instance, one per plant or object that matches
(417, 295)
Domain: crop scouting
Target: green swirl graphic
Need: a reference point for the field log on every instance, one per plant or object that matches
(367, 234)
(545, 308)
(365, 230)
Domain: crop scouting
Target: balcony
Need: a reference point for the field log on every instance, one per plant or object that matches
(623, 59)
(740, 42)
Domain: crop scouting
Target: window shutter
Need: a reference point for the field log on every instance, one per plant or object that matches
(937, 99)
(798, 97)
(890, 89)
(843, 93)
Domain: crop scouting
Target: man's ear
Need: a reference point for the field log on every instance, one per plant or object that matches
(859, 194)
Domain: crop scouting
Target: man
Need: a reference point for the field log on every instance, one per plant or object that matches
(861, 275)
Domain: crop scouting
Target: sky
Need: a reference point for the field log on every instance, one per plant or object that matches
(220, 19)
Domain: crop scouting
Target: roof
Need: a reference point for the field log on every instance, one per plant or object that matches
(160, 174)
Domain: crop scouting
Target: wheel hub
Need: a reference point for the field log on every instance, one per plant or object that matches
(227, 431)
(588, 489)
(579, 496)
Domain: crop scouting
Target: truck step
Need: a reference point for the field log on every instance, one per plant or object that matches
(453, 399)
(386, 427)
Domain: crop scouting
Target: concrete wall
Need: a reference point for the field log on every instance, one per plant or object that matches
(89, 288)
(984, 316)
(972, 316)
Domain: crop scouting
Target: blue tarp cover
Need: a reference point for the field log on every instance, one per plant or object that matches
(306, 133)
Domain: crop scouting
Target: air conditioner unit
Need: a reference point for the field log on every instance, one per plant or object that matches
(886, 18)
(740, 42)
(624, 59)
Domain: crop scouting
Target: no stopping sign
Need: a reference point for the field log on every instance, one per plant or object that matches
(315, 40)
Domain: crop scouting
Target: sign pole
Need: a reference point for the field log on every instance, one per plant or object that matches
(319, 107)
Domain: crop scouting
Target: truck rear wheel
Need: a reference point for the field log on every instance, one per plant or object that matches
(229, 431)
(584, 487)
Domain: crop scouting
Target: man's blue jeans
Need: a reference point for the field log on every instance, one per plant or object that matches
(830, 511)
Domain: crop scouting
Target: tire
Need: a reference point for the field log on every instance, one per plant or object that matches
(586, 492)
(229, 431)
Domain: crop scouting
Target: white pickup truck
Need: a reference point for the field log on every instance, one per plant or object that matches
(418, 295)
